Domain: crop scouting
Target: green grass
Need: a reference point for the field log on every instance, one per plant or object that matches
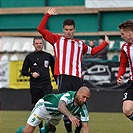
(99, 122)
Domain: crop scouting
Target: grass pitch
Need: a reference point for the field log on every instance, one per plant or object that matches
(99, 122)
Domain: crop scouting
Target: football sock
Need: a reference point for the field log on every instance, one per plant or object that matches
(130, 117)
(67, 124)
(40, 125)
(20, 130)
(46, 128)
(41, 128)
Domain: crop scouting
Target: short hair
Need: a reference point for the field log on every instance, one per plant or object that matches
(69, 21)
(38, 37)
(126, 25)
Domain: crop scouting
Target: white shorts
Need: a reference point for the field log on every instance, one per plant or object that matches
(40, 113)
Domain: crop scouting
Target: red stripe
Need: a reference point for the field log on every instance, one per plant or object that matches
(77, 62)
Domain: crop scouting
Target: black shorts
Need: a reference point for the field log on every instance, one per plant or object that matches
(128, 93)
(38, 90)
(69, 83)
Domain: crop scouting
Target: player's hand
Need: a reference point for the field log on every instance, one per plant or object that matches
(120, 80)
(107, 39)
(52, 11)
(74, 121)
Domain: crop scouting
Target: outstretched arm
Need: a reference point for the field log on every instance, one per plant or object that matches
(97, 49)
(63, 109)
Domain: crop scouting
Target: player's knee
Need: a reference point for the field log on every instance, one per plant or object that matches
(28, 130)
(127, 110)
(66, 120)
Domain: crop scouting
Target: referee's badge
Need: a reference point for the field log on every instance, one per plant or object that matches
(46, 63)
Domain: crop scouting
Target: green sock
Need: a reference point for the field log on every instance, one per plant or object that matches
(20, 130)
(46, 128)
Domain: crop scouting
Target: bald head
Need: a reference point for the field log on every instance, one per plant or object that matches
(84, 90)
(82, 95)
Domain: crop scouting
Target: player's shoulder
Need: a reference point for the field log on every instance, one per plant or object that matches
(30, 54)
(72, 93)
(46, 53)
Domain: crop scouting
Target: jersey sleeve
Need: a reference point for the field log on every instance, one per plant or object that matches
(95, 50)
(47, 35)
(99, 48)
(84, 113)
(25, 68)
(86, 49)
(123, 63)
(66, 98)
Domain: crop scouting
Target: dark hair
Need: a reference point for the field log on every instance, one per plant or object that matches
(126, 25)
(69, 21)
(38, 37)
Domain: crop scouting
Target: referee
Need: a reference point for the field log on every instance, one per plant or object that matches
(36, 65)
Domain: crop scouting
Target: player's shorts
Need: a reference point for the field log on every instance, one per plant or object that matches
(128, 93)
(40, 113)
(39, 89)
(69, 83)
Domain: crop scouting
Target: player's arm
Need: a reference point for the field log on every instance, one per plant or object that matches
(47, 35)
(85, 128)
(25, 68)
(100, 47)
(122, 68)
(63, 109)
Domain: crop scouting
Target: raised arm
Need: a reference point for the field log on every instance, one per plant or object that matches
(63, 109)
(52, 11)
(47, 35)
(100, 47)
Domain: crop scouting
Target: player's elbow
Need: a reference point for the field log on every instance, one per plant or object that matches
(59, 107)
(39, 29)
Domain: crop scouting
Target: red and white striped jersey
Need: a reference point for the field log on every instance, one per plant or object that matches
(126, 57)
(68, 55)
(68, 52)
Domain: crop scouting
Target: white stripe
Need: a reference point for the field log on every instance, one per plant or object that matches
(86, 118)
(89, 50)
(131, 56)
(68, 56)
(47, 102)
(75, 57)
(61, 43)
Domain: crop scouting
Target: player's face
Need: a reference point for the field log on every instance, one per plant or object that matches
(68, 31)
(38, 44)
(127, 35)
(81, 99)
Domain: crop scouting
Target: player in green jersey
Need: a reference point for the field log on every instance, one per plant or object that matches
(52, 107)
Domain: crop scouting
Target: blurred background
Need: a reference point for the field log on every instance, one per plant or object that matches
(19, 20)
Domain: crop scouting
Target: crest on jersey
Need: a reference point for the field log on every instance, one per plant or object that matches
(46, 63)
